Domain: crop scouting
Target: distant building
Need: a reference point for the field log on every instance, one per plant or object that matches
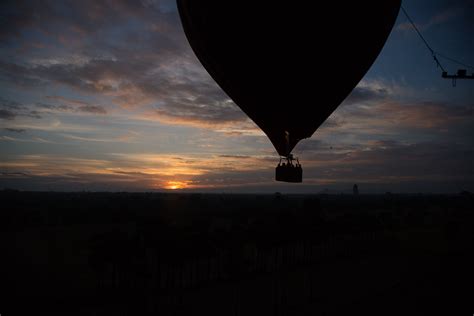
(355, 189)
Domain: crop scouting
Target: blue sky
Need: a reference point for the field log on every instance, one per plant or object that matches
(108, 95)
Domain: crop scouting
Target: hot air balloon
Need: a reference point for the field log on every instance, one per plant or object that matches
(288, 66)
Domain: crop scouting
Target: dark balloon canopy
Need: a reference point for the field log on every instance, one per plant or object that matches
(287, 66)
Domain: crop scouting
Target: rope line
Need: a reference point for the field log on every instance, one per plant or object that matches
(454, 60)
(434, 53)
(417, 31)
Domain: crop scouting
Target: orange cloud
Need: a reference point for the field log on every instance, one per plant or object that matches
(140, 171)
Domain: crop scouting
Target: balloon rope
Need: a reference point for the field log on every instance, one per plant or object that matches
(423, 39)
(433, 52)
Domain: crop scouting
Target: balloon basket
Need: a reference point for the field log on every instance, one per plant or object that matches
(289, 171)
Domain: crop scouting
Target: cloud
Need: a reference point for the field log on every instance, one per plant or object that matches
(402, 115)
(23, 140)
(158, 73)
(189, 98)
(53, 107)
(74, 105)
(139, 171)
(437, 19)
(235, 156)
(68, 101)
(367, 94)
(7, 114)
(393, 165)
(207, 116)
(386, 162)
(13, 174)
(9, 110)
(375, 107)
(80, 19)
(120, 139)
(427, 115)
(102, 55)
(15, 130)
(312, 145)
(96, 109)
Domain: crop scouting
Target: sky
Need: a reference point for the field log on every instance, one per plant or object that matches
(109, 96)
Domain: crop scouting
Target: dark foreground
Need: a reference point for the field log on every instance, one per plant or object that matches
(189, 254)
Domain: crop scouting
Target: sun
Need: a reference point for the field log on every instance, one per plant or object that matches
(176, 185)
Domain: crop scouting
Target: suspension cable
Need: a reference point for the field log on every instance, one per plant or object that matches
(434, 53)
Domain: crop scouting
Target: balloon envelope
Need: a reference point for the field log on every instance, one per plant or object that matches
(287, 66)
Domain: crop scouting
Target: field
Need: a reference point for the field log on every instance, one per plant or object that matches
(222, 254)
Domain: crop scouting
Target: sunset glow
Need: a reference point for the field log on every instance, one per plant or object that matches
(176, 185)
